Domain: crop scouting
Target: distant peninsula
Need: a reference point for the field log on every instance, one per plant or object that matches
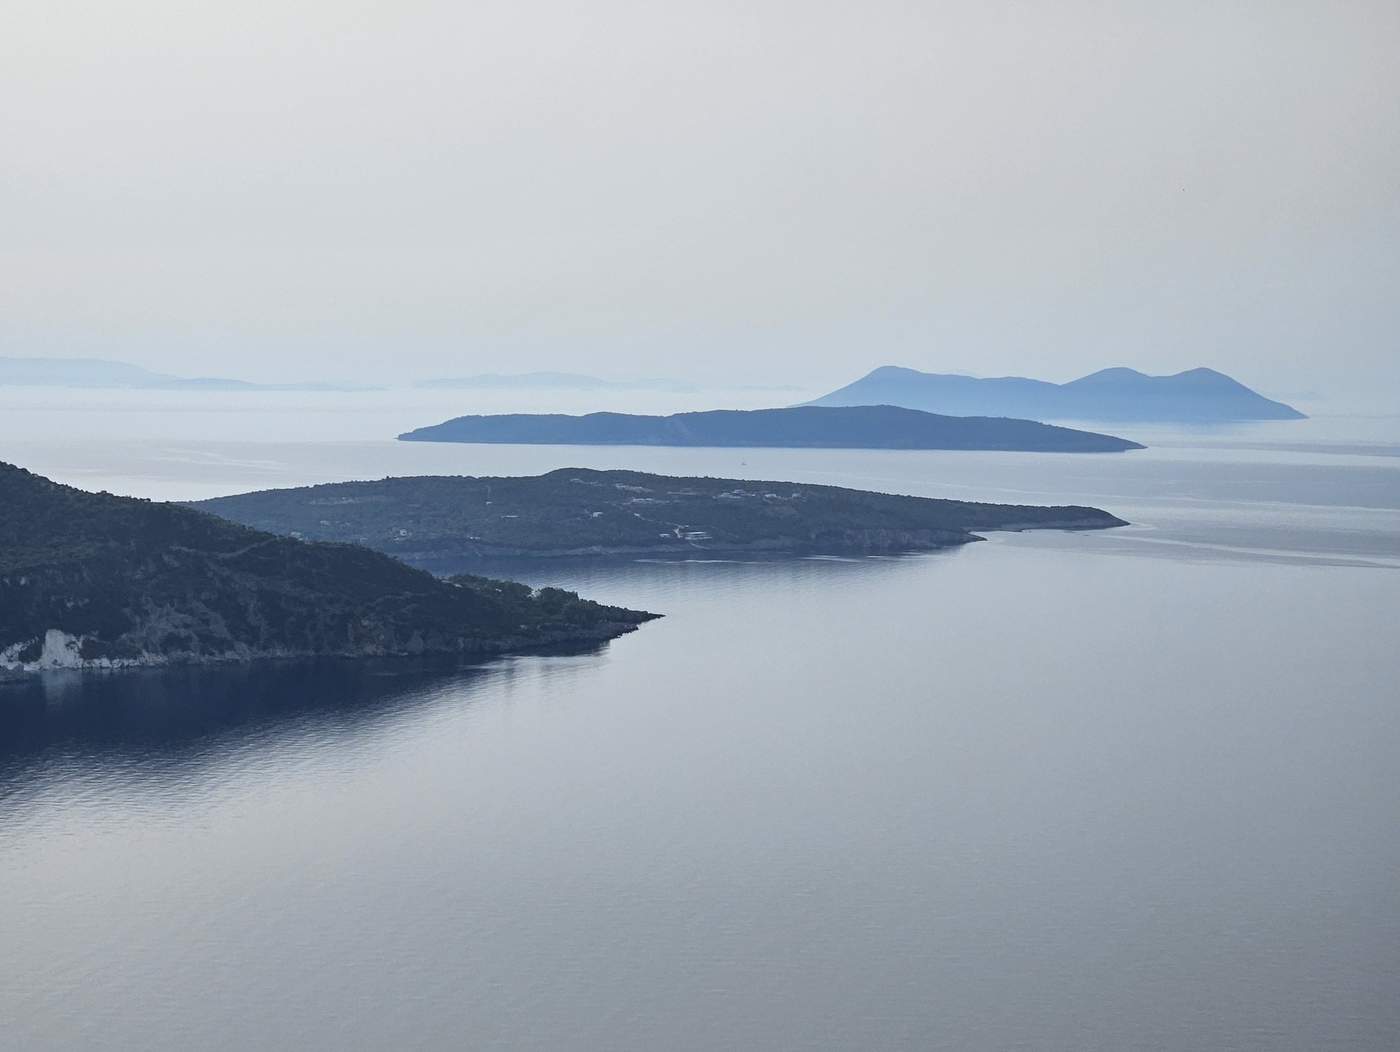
(91, 580)
(1198, 396)
(811, 427)
(100, 374)
(576, 512)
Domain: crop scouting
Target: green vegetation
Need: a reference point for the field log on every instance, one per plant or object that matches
(575, 511)
(94, 579)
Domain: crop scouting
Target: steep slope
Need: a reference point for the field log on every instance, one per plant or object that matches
(93, 580)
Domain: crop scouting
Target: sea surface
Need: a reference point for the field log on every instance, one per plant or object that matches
(1134, 789)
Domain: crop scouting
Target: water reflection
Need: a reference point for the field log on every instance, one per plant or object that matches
(142, 718)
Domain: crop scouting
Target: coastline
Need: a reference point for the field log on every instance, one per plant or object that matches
(873, 542)
(62, 652)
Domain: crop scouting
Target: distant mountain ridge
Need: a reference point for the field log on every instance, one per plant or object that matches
(555, 381)
(1118, 395)
(551, 381)
(102, 374)
(810, 427)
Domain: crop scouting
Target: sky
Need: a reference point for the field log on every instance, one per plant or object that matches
(746, 193)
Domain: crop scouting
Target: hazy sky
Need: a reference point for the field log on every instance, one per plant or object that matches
(755, 191)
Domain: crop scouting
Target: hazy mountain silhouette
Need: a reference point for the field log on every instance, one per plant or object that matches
(857, 427)
(103, 374)
(555, 381)
(1121, 395)
(551, 381)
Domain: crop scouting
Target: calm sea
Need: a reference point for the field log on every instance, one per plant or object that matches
(1123, 790)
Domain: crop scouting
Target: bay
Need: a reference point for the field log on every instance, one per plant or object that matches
(1131, 789)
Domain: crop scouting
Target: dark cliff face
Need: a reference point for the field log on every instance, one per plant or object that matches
(93, 579)
(580, 512)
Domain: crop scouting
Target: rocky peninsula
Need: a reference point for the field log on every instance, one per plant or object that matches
(578, 512)
(92, 580)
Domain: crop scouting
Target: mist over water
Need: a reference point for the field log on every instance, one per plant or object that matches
(1131, 789)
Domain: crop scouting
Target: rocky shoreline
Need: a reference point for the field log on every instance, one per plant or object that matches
(872, 543)
(89, 581)
(59, 651)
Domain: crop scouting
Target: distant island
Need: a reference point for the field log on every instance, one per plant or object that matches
(1198, 396)
(546, 381)
(811, 427)
(102, 374)
(577, 512)
(90, 580)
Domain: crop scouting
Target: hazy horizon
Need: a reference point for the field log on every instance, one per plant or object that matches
(109, 374)
(755, 194)
(342, 709)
